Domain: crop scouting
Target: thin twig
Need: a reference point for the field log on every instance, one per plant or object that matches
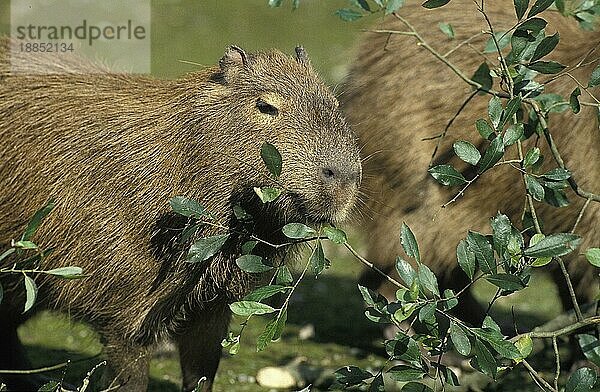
(581, 212)
(373, 267)
(537, 376)
(449, 124)
(557, 356)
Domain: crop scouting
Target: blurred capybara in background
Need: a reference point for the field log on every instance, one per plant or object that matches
(112, 149)
(399, 94)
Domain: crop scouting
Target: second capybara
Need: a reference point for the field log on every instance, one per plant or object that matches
(399, 97)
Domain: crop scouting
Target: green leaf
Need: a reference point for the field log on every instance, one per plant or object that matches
(404, 312)
(271, 158)
(317, 259)
(512, 106)
(187, 207)
(267, 194)
(252, 263)
(501, 229)
(405, 373)
(67, 272)
(466, 259)
(546, 46)
(554, 245)
(460, 339)
(266, 336)
(483, 77)
(50, 386)
(404, 348)
(265, 292)
(595, 77)
(348, 14)
(447, 29)
(240, 213)
(451, 300)
(513, 134)
(393, 6)
(467, 152)
(495, 339)
(582, 380)
(593, 256)
(205, 248)
(248, 247)
(590, 346)
(427, 313)
(435, 3)
(335, 235)
(31, 291)
(506, 282)
(484, 129)
(275, 3)
(495, 111)
(35, 221)
(503, 39)
(297, 231)
(7, 253)
(447, 175)
(546, 67)
(284, 276)
(416, 387)
(409, 243)
(534, 188)
(535, 25)
(541, 261)
(280, 324)
(484, 359)
(521, 7)
(25, 245)
(525, 345)
(539, 6)
(249, 308)
(351, 375)
(377, 384)
(557, 174)
(531, 157)
(483, 252)
(406, 271)
(368, 295)
(492, 155)
(574, 100)
(428, 280)
(362, 4)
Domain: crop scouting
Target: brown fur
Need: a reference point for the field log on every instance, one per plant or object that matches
(113, 149)
(399, 94)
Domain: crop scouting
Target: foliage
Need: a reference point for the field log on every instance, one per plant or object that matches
(29, 266)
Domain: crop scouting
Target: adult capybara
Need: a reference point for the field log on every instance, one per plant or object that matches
(112, 149)
(399, 94)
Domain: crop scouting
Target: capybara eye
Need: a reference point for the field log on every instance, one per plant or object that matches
(266, 108)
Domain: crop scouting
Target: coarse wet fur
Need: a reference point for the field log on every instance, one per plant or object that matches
(398, 94)
(112, 149)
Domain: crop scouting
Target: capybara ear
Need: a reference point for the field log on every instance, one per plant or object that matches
(301, 56)
(234, 57)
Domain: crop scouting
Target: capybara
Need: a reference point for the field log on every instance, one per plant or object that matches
(113, 149)
(398, 94)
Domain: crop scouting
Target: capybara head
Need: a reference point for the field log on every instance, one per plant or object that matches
(272, 98)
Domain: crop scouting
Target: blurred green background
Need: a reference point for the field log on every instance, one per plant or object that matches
(198, 31)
